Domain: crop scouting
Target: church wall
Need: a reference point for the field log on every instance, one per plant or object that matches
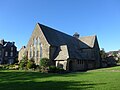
(37, 50)
(21, 53)
(62, 64)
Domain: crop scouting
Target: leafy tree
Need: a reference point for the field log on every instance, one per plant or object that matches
(103, 53)
(118, 60)
(23, 62)
(115, 54)
(44, 64)
(31, 64)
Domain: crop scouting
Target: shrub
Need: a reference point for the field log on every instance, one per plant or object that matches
(44, 69)
(54, 69)
(23, 63)
(38, 68)
(11, 67)
(1, 67)
(31, 64)
(5, 66)
(44, 64)
(61, 70)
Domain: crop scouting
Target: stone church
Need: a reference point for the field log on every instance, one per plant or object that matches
(72, 53)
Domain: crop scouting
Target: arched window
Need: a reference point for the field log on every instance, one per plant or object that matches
(40, 50)
(31, 51)
(39, 47)
(35, 42)
(35, 47)
(39, 42)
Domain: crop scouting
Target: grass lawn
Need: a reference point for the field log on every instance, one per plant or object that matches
(100, 79)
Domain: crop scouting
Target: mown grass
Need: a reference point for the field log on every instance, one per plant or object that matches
(101, 79)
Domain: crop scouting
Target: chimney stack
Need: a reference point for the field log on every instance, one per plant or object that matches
(2, 41)
(76, 35)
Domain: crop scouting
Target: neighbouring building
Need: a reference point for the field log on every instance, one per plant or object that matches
(113, 58)
(72, 53)
(8, 52)
(22, 53)
(114, 53)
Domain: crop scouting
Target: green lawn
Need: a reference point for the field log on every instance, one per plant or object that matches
(100, 79)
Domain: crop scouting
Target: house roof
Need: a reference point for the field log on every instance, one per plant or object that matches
(57, 38)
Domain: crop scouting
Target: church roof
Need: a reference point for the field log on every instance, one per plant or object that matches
(88, 41)
(57, 38)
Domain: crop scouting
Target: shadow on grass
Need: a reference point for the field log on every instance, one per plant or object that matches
(47, 85)
(11, 76)
(42, 81)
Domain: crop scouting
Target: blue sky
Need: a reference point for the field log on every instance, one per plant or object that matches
(87, 17)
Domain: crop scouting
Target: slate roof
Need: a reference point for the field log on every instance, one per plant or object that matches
(57, 38)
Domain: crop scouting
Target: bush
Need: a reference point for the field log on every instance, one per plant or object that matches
(23, 63)
(54, 69)
(31, 64)
(5, 66)
(1, 67)
(44, 62)
(11, 67)
(61, 70)
(44, 69)
(38, 68)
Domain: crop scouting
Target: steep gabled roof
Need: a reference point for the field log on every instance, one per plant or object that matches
(57, 38)
(88, 41)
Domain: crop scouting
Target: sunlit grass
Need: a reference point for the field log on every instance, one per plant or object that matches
(100, 79)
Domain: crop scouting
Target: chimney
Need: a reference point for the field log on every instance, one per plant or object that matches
(2, 41)
(76, 35)
(13, 43)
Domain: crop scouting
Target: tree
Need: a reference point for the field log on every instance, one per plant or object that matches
(44, 64)
(118, 60)
(115, 54)
(103, 53)
(31, 64)
(23, 62)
